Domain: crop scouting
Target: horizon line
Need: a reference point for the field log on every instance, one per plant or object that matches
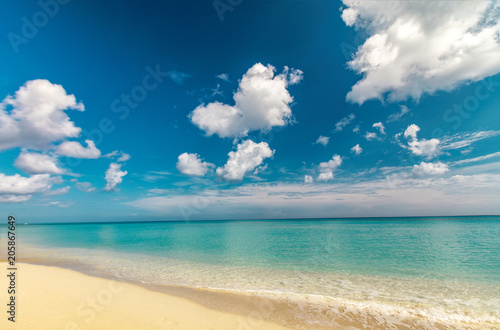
(235, 220)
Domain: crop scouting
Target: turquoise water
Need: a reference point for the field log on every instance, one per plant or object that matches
(447, 266)
(441, 248)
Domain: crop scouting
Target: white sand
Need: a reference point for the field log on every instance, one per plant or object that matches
(56, 298)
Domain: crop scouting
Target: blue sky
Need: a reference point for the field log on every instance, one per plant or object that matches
(186, 110)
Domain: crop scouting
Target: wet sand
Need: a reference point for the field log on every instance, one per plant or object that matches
(55, 298)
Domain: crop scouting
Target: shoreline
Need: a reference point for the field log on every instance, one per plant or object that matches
(51, 297)
(287, 299)
(252, 309)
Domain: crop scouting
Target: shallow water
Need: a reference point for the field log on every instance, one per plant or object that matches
(391, 272)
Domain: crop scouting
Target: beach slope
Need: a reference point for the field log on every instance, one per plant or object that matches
(56, 298)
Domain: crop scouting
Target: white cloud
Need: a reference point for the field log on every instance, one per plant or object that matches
(398, 115)
(191, 164)
(326, 168)
(356, 149)
(60, 191)
(370, 136)
(322, 140)
(424, 147)
(19, 185)
(425, 169)
(153, 176)
(411, 131)
(245, 159)
(477, 159)
(14, 198)
(356, 129)
(380, 127)
(114, 176)
(36, 163)
(349, 16)
(36, 117)
(58, 204)
(260, 169)
(123, 158)
(76, 150)
(411, 196)
(262, 101)
(429, 148)
(417, 47)
(339, 126)
(223, 76)
(85, 186)
(462, 140)
(308, 179)
(325, 176)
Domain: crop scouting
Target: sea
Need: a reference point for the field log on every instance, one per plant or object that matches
(419, 272)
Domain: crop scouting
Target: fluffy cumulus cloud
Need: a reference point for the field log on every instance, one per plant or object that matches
(16, 188)
(19, 185)
(323, 140)
(248, 156)
(308, 179)
(411, 131)
(426, 169)
(422, 147)
(417, 47)
(37, 163)
(114, 176)
(191, 164)
(35, 120)
(262, 101)
(35, 116)
(339, 126)
(76, 150)
(356, 149)
(326, 169)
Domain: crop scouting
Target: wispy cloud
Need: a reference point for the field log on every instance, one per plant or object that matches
(223, 76)
(462, 140)
(339, 126)
(178, 77)
(153, 176)
(455, 194)
(476, 159)
(398, 115)
(380, 127)
(322, 140)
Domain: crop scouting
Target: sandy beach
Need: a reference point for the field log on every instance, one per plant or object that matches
(56, 298)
